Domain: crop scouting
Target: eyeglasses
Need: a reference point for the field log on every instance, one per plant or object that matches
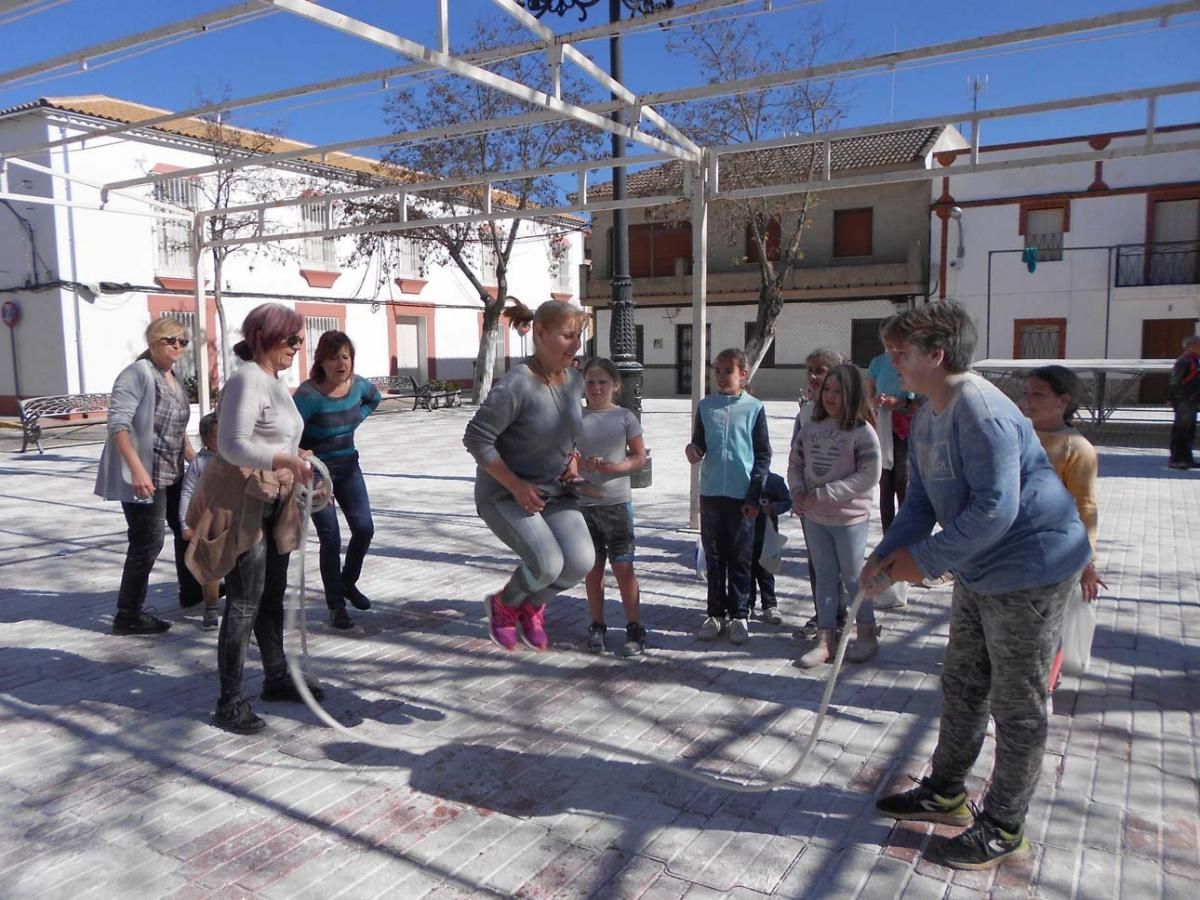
(294, 340)
(175, 341)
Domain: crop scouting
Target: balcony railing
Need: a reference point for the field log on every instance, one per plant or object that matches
(1168, 262)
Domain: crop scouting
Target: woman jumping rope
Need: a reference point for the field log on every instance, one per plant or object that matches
(523, 438)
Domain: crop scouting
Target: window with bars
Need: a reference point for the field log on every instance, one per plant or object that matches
(319, 251)
(564, 276)
(314, 327)
(1044, 230)
(408, 258)
(1039, 338)
(173, 237)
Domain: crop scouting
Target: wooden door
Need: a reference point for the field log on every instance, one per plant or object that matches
(1161, 339)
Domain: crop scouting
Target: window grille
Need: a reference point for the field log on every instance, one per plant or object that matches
(1044, 230)
(319, 250)
(173, 238)
(408, 258)
(314, 327)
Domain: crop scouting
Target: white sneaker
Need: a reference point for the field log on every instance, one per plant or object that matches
(739, 631)
(711, 629)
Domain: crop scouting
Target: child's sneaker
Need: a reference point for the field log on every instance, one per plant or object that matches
(212, 618)
(807, 631)
(635, 640)
(923, 804)
(739, 631)
(982, 846)
(772, 616)
(711, 629)
(502, 621)
(533, 625)
(596, 642)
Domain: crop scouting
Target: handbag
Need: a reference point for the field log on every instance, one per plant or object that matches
(1079, 626)
(771, 557)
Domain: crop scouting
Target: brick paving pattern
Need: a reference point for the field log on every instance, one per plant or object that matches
(113, 782)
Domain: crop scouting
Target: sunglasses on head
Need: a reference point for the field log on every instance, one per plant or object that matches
(294, 340)
(175, 341)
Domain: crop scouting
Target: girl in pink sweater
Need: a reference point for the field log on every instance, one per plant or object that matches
(832, 473)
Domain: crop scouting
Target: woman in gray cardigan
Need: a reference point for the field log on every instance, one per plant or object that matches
(142, 466)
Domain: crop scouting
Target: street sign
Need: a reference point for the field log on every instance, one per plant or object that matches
(10, 312)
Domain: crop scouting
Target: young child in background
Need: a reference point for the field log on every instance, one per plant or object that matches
(832, 473)
(730, 440)
(775, 501)
(191, 478)
(1050, 401)
(610, 447)
(818, 363)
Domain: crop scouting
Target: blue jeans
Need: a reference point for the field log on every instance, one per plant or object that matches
(837, 552)
(728, 540)
(350, 492)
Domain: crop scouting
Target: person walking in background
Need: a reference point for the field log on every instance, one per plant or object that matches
(523, 439)
(894, 409)
(333, 402)
(1184, 394)
(832, 473)
(732, 446)
(142, 466)
(195, 470)
(611, 446)
(1012, 538)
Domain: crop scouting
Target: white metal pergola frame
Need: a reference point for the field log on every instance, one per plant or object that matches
(701, 185)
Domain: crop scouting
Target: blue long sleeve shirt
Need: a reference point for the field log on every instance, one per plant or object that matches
(978, 470)
(732, 434)
(330, 422)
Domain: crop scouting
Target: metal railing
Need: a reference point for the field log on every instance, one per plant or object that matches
(1165, 262)
(1049, 246)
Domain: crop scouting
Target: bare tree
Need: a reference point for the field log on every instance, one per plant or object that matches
(775, 226)
(481, 252)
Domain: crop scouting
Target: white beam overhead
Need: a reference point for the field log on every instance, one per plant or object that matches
(196, 24)
(360, 29)
(165, 210)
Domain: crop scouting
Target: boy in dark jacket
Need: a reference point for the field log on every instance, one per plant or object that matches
(775, 500)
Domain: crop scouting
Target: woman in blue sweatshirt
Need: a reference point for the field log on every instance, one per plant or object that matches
(730, 441)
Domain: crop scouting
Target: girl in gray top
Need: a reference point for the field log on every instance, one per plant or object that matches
(142, 466)
(523, 438)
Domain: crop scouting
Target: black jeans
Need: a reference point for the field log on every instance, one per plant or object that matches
(762, 582)
(893, 483)
(253, 603)
(728, 540)
(1183, 431)
(350, 491)
(145, 532)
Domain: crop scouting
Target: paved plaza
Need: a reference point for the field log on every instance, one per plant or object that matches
(114, 783)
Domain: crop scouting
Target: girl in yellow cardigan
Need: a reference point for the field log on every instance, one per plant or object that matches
(1050, 402)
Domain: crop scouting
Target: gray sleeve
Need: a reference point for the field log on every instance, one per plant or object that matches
(493, 417)
(633, 428)
(190, 479)
(127, 395)
(241, 402)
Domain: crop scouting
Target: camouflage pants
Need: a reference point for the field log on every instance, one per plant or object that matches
(997, 663)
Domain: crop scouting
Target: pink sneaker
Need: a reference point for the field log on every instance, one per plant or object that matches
(533, 625)
(502, 621)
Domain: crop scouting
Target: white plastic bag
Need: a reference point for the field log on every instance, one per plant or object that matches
(894, 596)
(1079, 626)
(701, 562)
(771, 557)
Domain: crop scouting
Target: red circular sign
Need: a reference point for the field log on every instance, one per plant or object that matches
(10, 312)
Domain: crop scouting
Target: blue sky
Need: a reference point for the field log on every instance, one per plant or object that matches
(280, 50)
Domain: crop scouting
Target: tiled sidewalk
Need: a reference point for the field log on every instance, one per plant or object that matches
(113, 782)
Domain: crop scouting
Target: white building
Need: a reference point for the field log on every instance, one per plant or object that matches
(420, 318)
(1117, 268)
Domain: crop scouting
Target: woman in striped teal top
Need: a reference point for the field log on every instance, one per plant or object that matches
(333, 403)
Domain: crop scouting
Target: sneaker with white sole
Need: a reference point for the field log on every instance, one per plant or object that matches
(924, 804)
(596, 638)
(772, 616)
(711, 629)
(739, 631)
(533, 625)
(984, 845)
(502, 622)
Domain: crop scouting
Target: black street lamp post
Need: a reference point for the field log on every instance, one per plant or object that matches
(622, 334)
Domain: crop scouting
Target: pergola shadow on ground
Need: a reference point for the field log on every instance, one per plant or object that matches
(508, 776)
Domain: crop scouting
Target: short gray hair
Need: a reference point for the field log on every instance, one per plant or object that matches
(1189, 341)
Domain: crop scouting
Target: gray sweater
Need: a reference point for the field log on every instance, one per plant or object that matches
(530, 425)
(258, 418)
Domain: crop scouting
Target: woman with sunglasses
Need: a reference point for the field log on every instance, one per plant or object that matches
(142, 466)
(259, 434)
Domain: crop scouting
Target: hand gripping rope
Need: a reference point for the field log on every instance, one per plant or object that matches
(311, 500)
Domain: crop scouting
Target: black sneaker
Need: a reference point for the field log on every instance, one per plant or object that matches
(596, 642)
(984, 845)
(339, 618)
(283, 690)
(922, 804)
(635, 640)
(140, 622)
(238, 717)
(807, 631)
(356, 597)
(212, 619)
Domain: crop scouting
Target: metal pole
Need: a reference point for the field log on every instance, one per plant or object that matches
(201, 331)
(622, 334)
(699, 312)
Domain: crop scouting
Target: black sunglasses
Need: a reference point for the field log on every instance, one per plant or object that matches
(175, 341)
(294, 340)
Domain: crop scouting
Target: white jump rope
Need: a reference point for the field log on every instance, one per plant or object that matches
(310, 501)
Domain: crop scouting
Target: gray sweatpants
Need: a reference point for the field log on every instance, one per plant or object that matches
(555, 545)
(997, 662)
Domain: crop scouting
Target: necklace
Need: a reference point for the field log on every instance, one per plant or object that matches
(536, 368)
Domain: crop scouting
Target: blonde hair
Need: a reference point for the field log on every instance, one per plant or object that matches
(552, 312)
(164, 326)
